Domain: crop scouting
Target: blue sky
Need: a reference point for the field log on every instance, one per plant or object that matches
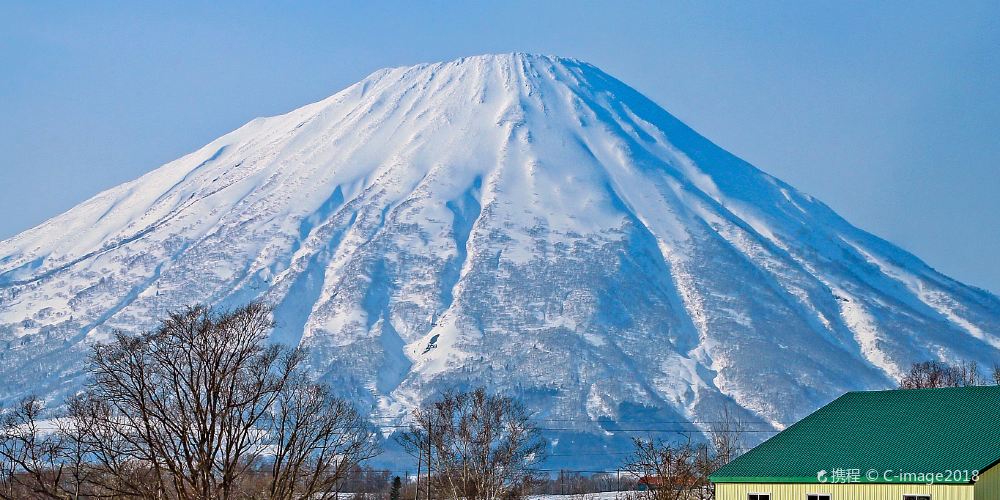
(887, 111)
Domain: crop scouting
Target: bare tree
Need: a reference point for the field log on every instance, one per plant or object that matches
(190, 397)
(476, 445)
(676, 470)
(30, 456)
(726, 435)
(670, 470)
(111, 458)
(935, 374)
(317, 439)
(967, 374)
(200, 408)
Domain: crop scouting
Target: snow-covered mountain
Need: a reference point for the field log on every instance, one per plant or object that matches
(525, 222)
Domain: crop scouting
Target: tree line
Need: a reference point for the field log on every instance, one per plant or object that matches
(937, 374)
(204, 407)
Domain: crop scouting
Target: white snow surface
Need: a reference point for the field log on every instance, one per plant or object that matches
(521, 221)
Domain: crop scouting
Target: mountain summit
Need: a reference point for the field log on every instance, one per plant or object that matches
(525, 222)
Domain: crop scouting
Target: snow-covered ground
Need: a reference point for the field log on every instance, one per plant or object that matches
(606, 495)
(525, 222)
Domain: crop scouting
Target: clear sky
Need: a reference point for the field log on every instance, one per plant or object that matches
(887, 111)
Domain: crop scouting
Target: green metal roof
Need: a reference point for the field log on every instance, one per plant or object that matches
(916, 431)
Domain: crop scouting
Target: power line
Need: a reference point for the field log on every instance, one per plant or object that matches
(772, 431)
(577, 429)
(397, 417)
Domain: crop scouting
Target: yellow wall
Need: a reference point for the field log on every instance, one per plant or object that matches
(738, 491)
(988, 486)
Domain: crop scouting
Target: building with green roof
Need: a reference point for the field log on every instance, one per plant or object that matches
(916, 444)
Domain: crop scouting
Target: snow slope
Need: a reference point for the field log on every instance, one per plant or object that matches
(521, 221)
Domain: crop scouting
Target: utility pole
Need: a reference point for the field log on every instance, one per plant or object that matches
(619, 492)
(430, 427)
